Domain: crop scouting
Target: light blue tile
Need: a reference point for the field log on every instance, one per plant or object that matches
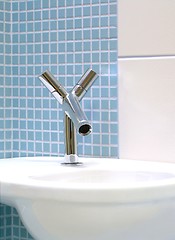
(46, 125)
(96, 150)
(22, 124)
(38, 125)
(14, 17)
(30, 48)
(87, 46)
(22, 16)
(38, 28)
(62, 36)
(53, 3)
(105, 151)
(38, 136)
(114, 151)
(30, 26)
(54, 137)
(37, 4)
(22, 27)
(61, 13)
(22, 6)
(86, 2)
(15, 145)
(54, 148)
(46, 147)
(31, 135)
(78, 23)
(38, 147)
(54, 126)
(37, 15)
(61, 3)
(114, 117)
(45, 14)
(53, 36)
(30, 125)
(113, 139)
(69, 13)
(30, 16)
(104, 22)
(45, 26)
(86, 11)
(86, 34)
(78, 12)
(113, 9)
(45, 36)
(31, 146)
(86, 23)
(104, 9)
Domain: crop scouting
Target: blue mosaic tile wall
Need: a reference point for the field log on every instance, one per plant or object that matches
(5, 80)
(66, 37)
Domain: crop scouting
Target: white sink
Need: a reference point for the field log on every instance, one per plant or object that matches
(102, 199)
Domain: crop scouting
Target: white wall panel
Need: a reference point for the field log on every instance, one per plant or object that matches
(146, 27)
(147, 108)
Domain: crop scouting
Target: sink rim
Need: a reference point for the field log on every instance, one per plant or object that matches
(88, 192)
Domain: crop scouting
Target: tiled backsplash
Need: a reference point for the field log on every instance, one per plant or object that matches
(5, 80)
(66, 37)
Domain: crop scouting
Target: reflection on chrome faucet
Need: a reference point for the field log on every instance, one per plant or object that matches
(75, 118)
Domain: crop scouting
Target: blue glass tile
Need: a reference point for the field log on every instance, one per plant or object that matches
(37, 15)
(37, 4)
(113, 9)
(14, 17)
(104, 10)
(45, 4)
(86, 11)
(78, 12)
(61, 3)
(69, 12)
(1, 5)
(45, 14)
(53, 4)
(46, 147)
(105, 151)
(61, 13)
(45, 26)
(30, 16)
(38, 28)
(30, 26)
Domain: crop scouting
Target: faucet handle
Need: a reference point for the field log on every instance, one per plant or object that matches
(84, 83)
(53, 85)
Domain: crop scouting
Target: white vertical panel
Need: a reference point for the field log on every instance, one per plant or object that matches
(146, 27)
(147, 108)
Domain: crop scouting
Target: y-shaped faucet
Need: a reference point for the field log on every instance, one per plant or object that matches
(75, 118)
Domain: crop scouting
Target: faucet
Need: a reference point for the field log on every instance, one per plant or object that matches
(75, 119)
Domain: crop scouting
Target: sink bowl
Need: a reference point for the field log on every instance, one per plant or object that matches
(102, 199)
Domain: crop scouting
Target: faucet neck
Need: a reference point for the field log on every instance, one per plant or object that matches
(70, 140)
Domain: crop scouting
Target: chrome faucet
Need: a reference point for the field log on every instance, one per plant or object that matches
(75, 118)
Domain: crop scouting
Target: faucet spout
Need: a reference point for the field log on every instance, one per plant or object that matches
(72, 108)
(75, 118)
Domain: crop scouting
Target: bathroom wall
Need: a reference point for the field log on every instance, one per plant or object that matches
(146, 79)
(66, 37)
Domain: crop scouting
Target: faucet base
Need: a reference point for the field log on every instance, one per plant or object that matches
(71, 159)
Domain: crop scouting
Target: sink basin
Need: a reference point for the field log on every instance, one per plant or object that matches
(102, 199)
